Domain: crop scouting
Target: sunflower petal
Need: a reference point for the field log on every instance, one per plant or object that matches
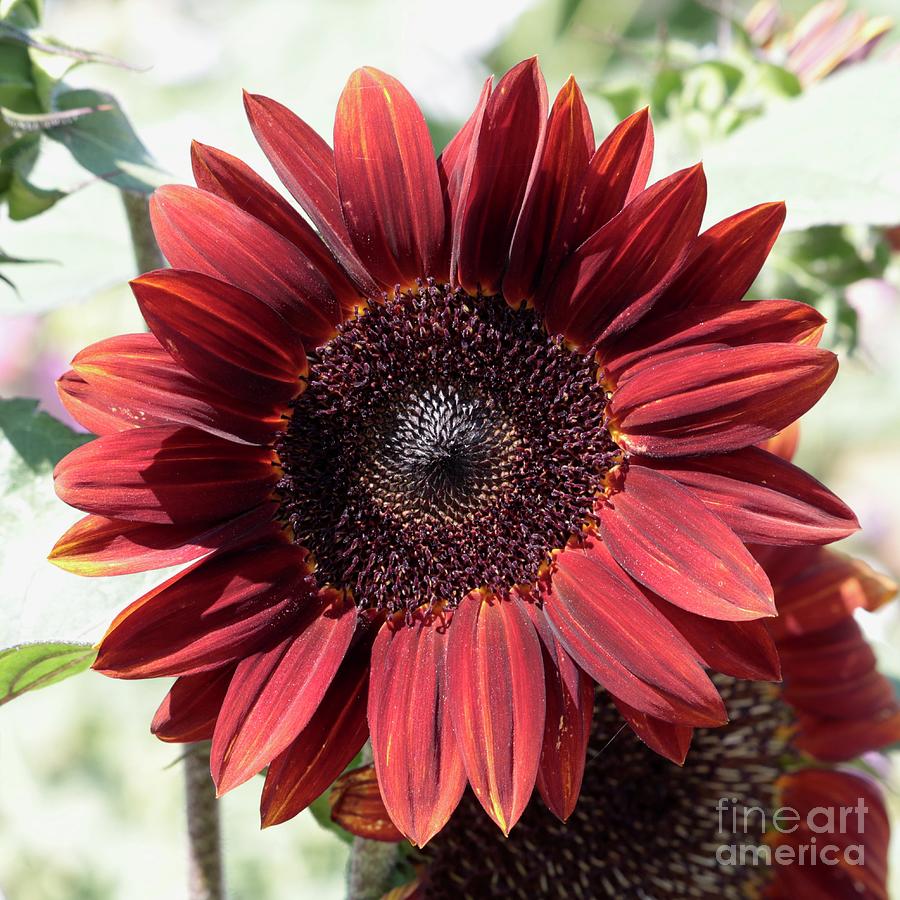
(275, 693)
(740, 649)
(725, 259)
(610, 628)
(563, 158)
(165, 474)
(201, 232)
(613, 177)
(495, 686)
(93, 411)
(817, 588)
(762, 498)
(617, 274)
(452, 162)
(217, 611)
(388, 180)
(665, 538)
(222, 335)
(567, 725)
(325, 747)
(719, 400)
(188, 712)
(305, 165)
(733, 325)
(96, 545)
(233, 180)
(419, 767)
(500, 165)
(130, 381)
(665, 738)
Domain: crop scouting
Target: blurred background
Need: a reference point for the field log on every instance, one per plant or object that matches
(786, 101)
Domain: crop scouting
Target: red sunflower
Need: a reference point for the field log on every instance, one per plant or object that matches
(481, 439)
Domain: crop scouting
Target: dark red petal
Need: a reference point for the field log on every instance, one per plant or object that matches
(499, 167)
(567, 725)
(665, 538)
(357, 806)
(166, 475)
(665, 738)
(130, 380)
(419, 767)
(322, 750)
(832, 740)
(817, 588)
(739, 649)
(222, 335)
(452, 162)
(610, 628)
(725, 259)
(817, 793)
(751, 322)
(844, 706)
(388, 180)
(495, 687)
(275, 693)
(217, 611)
(97, 414)
(614, 176)
(188, 712)
(98, 546)
(199, 231)
(233, 180)
(564, 155)
(762, 498)
(718, 400)
(305, 165)
(616, 275)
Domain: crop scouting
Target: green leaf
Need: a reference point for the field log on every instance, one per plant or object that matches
(832, 154)
(41, 605)
(28, 667)
(17, 89)
(104, 142)
(778, 81)
(25, 199)
(567, 12)
(23, 13)
(39, 440)
(321, 811)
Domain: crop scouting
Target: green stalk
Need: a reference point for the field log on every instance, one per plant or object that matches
(372, 864)
(147, 254)
(205, 878)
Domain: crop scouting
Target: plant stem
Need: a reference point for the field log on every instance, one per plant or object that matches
(372, 863)
(205, 879)
(147, 254)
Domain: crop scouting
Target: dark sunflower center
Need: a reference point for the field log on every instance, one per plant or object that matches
(444, 443)
(441, 458)
(643, 827)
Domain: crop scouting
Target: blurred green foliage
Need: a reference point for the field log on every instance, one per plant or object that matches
(36, 104)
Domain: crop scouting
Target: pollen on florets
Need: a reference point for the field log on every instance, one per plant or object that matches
(444, 443)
